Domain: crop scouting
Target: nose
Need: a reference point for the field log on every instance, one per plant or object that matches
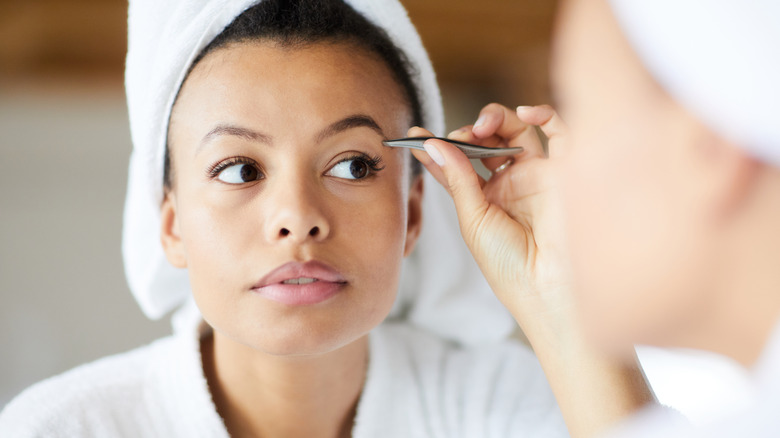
(296, 215)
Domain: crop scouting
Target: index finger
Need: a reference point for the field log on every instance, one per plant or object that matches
(550, 123)
(498, 120)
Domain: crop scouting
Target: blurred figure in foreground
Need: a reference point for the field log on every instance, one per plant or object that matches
(668, 179)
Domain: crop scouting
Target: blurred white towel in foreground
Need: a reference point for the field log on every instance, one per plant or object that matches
(719, 58)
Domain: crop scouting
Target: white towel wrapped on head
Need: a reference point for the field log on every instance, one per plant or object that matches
(719, 58)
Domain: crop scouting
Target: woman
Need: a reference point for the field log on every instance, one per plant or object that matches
(668, 181)
(258, 165)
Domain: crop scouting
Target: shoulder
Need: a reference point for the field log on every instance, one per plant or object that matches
(100, 398)
(492, 390)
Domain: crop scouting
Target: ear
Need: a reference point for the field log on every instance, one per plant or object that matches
(414, 215)
(169, 233)
(729, 173)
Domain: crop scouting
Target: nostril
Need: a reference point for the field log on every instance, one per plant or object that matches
(285, 232)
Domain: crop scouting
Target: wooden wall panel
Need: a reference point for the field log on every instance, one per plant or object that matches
(497, 48)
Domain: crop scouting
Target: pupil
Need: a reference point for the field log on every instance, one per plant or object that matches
(248, 173)
(358, 169)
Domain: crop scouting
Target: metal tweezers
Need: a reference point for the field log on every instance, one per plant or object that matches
(471, 150)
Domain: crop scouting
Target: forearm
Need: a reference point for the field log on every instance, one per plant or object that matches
(593, 391)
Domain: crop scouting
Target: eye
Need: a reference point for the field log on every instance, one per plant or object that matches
(359, 167)
(239, 173)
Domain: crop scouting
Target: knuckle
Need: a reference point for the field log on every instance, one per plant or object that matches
(494, 109)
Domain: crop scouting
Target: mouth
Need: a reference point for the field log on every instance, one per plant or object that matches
(300, 281)
(300, 284)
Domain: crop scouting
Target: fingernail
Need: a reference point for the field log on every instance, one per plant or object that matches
(523, 108)
(434, 153)
(480, 121)
(457, 132)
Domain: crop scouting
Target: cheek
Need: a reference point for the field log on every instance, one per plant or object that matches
(633, 236)
(218, 238)
(227, 252)
(370, 230)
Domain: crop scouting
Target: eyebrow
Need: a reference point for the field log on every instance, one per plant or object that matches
(236, 131)
(349, 122)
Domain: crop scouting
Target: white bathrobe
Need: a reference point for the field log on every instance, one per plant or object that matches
(417, 386)
(760, 420)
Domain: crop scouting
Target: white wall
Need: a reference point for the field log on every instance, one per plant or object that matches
(63, 296)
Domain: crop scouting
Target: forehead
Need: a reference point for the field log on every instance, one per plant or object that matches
(592, 59)
(274, 84)
(583, 34)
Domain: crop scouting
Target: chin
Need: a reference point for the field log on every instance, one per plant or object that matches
(307, 342)
(302, 333)
(279, 330)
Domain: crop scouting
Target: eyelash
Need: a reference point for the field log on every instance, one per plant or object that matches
(214, 170)
(373, 162)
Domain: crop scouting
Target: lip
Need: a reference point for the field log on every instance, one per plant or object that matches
(328, 283)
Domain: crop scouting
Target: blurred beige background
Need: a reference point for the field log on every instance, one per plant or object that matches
(64, 147)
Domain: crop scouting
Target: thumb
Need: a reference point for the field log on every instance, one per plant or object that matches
(462, 182)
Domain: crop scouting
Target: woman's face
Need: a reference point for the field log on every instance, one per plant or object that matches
(290, 215)
(641, 236)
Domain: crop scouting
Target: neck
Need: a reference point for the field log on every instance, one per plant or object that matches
(262, 395)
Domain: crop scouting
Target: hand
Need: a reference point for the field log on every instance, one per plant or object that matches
(511, 222)
(513, 226)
